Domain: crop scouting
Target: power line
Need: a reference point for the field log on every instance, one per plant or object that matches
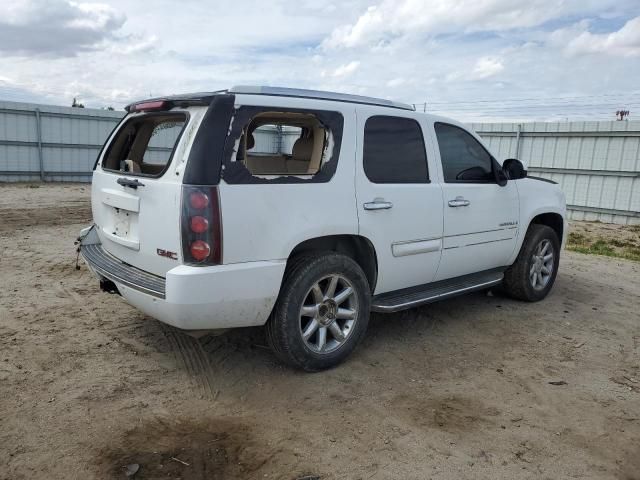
(515, 100)
(538, 109)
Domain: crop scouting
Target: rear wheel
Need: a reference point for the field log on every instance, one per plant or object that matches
(533, 274)
(322, 311)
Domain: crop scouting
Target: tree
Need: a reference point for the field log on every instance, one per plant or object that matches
(76, 104)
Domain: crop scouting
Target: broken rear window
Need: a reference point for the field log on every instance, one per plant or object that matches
(145, 144)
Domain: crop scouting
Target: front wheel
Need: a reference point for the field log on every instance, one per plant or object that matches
(533, 274)
(321, 313)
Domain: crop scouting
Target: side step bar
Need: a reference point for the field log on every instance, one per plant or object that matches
(432, 292)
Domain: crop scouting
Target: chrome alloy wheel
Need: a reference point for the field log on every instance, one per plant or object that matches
(328, 314)
(542, 266)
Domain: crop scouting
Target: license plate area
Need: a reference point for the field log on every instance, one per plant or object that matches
(121, 227)
(122, 223)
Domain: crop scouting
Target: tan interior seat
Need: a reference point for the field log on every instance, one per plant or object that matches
(262, 164)
(301, 156)
(266, 164)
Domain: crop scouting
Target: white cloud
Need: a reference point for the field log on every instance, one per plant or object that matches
(346, 69)
(56, 27)
(442, 52)
(396, 82)
(95, 16)
(136, 44)
(487, 67)
(393, 18)
(624, 42)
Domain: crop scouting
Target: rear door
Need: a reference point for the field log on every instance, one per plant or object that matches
(399, 208)
(136, 194)
(480, 216)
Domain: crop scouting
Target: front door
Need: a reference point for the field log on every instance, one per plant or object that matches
(480, 216)
(399, 209)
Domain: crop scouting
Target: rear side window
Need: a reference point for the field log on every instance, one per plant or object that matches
(282, 145)
(394, 151)
(145, 144)
(464, 159)
(275, 143)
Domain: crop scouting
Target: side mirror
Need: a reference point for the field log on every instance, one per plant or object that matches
(514, 169)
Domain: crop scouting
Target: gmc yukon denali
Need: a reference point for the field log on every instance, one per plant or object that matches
(304, 211)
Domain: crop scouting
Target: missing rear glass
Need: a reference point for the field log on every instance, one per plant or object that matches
(145, 144)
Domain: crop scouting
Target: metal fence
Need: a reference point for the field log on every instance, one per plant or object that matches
(45, 142)
(597, 164)
(271, 140)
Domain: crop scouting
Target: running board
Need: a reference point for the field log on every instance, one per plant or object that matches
(432, 292)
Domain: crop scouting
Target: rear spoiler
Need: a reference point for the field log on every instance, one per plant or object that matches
(171, 101)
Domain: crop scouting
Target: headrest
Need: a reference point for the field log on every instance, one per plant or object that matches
(129, 166)
(302, 149)
(251, 142)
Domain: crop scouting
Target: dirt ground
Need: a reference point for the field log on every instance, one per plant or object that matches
(455, 390)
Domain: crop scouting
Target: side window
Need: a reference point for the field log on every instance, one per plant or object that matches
(274, 143)
(394, 151)
(464, 159)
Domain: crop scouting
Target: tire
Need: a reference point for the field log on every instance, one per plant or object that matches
(534, 260)
(343, 315)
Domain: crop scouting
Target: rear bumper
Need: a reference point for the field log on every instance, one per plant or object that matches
(107, 266)
(194, 298)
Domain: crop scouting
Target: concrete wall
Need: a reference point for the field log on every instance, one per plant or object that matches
(597, 164)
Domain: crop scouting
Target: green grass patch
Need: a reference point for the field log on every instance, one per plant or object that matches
(602, 247)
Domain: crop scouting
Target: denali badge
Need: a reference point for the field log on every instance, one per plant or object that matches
(508, 224)
(167, 253)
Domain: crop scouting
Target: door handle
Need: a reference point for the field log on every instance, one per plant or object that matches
(378, 204)
(459, 202)
(127, 182)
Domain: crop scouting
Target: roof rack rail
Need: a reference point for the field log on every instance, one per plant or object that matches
(317, 94)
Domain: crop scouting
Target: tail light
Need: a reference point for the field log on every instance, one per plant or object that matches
(201, 225)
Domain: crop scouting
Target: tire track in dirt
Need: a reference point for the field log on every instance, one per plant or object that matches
(189, 352)
(10, 219)
(78, 300)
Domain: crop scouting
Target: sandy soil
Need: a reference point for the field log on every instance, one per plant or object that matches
(456, 390)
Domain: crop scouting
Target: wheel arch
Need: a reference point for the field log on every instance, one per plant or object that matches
(551, 219)
(357, 247)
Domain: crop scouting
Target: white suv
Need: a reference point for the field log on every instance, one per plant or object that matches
(307, 210)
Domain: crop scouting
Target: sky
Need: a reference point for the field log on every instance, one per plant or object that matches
(488, 60)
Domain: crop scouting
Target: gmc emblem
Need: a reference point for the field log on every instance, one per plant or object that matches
(167, 253)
